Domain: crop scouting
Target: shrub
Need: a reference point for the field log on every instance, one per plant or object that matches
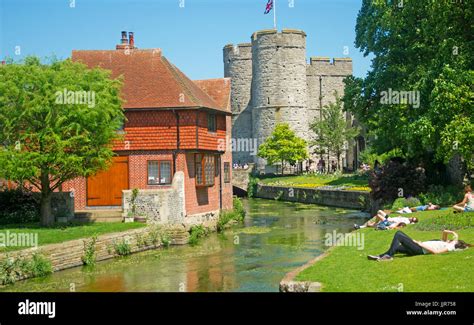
(165, 240)
(122, 248)
(252, 186)
(12, 269)
(395, 178)
(18, 206)
(196, 233)
(403, 202)
(369, 156)
(237, 214)
(442, 195)
(89, 251)
(39, 266)
(239, 208)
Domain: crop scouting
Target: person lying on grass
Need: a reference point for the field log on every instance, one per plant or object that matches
(382, 218)
(403, 244)
(467, 204)
(428, 207)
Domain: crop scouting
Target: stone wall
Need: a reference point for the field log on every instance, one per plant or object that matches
(272, 83)
(238, 67)
(159, 206)
(69, 254)
(337, 198)
(278, 84)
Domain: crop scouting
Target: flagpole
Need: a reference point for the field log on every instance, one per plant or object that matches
(275, 14)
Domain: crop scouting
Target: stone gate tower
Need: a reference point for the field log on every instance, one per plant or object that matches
(273, 83)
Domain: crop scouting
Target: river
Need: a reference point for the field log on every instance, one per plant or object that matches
(276, 238)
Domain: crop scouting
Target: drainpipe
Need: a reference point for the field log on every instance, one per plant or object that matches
(175, 152)
(220, 182)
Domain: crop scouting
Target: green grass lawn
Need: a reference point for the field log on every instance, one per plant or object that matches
(64, 232)
(312, 180)
(348, 269)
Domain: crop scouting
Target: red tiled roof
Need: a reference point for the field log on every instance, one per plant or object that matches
(150, 80)
(218, 90)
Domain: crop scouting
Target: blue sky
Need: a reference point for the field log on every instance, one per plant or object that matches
(191, 37)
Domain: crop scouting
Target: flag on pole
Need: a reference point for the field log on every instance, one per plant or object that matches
(269, 7)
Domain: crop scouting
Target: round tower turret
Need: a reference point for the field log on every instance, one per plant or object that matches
(238, 67)
(279, 87)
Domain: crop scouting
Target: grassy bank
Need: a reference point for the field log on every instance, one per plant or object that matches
(350, 182)
(64, 232)
(347, 268)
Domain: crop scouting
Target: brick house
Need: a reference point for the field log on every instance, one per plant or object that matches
(173, 125)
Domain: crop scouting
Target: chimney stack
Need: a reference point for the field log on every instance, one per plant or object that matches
(131, 40)
(124, 42)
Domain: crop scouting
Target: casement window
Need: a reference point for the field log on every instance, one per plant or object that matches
(205, 169)
(226, 172)
(159, 172)
(211, 122)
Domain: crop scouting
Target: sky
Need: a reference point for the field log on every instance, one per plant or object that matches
(191, 33)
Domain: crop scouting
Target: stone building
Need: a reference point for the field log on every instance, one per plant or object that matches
(273, 83)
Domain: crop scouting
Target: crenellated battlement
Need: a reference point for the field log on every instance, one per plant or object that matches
(272, 82)
(322, 65)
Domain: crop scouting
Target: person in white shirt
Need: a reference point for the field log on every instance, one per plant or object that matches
(403, 244)
(391, 222)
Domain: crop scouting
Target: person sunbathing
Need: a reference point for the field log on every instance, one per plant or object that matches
(467, 204)
(428, 207)
(382, 217)
(403, 244)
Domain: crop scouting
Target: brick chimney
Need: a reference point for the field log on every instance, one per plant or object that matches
(124, 42)
(131, 40)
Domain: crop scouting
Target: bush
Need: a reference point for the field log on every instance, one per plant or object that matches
(395, 178)
(89, 256)
(18, 206)
(368, 156)
(252, 186)
(239, 208)
(442, 195)
(402, 202)
(196, 233)
(237, 214)
(123, 248)
(12, 269)
(448, 221)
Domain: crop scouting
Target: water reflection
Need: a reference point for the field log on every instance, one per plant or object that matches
(277, 237)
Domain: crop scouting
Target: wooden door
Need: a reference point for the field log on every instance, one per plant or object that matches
(105, 188)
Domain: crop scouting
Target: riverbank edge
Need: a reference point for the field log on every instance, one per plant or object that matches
(359, 200)
(69, 254)
(288, 283)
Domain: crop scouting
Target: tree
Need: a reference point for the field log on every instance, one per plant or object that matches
(420, 46)
(283, 146)
(332, 131)
(58, 121)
